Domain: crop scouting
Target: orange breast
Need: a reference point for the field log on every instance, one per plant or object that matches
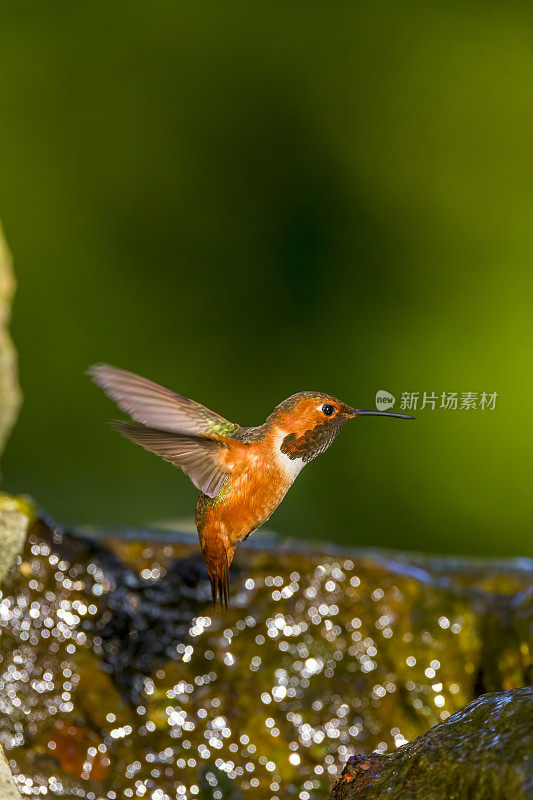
(256, 487)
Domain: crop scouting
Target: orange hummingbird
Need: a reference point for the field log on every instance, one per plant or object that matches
(242, 473)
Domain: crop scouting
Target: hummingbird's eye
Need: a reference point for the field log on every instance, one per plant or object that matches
(328, 409)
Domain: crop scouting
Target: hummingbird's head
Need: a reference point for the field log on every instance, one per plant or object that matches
(308, 422)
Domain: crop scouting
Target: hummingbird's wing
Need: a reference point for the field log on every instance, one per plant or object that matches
(153, 405)
(200, 458)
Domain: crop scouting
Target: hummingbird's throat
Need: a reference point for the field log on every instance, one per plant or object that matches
(311, 443)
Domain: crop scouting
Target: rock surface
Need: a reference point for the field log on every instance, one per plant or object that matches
(117, 676)
(483, 752)
(15, 519)
(8, 787)
(16, 516)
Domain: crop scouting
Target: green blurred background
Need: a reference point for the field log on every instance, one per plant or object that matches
(242, 201)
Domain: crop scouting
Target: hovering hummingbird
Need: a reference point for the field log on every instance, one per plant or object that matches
(242, 473)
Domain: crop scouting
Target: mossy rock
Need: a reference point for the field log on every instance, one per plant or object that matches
(8, 788)
(483, 752)
(322, 654)
(16, 515)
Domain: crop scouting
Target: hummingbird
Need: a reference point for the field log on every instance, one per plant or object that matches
(242, 473)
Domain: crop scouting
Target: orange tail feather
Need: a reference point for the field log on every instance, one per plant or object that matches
(218, 555)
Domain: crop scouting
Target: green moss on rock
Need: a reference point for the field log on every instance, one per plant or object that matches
(483, 752)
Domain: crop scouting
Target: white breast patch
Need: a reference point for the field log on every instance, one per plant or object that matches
(290, 466)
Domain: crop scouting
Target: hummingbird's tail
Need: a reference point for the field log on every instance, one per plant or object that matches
(218, 555)
(220, 588)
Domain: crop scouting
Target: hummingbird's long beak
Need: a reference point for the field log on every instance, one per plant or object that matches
(360, 413)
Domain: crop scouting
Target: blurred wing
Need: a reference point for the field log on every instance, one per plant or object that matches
(199, 458)
(153, 405)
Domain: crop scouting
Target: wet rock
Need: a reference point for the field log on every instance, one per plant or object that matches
(483, 752)
(117, 674)
(16, 516)
(138, 623)
(8, 788)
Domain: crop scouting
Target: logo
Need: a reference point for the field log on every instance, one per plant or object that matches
(384, 400)
(448, 401)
